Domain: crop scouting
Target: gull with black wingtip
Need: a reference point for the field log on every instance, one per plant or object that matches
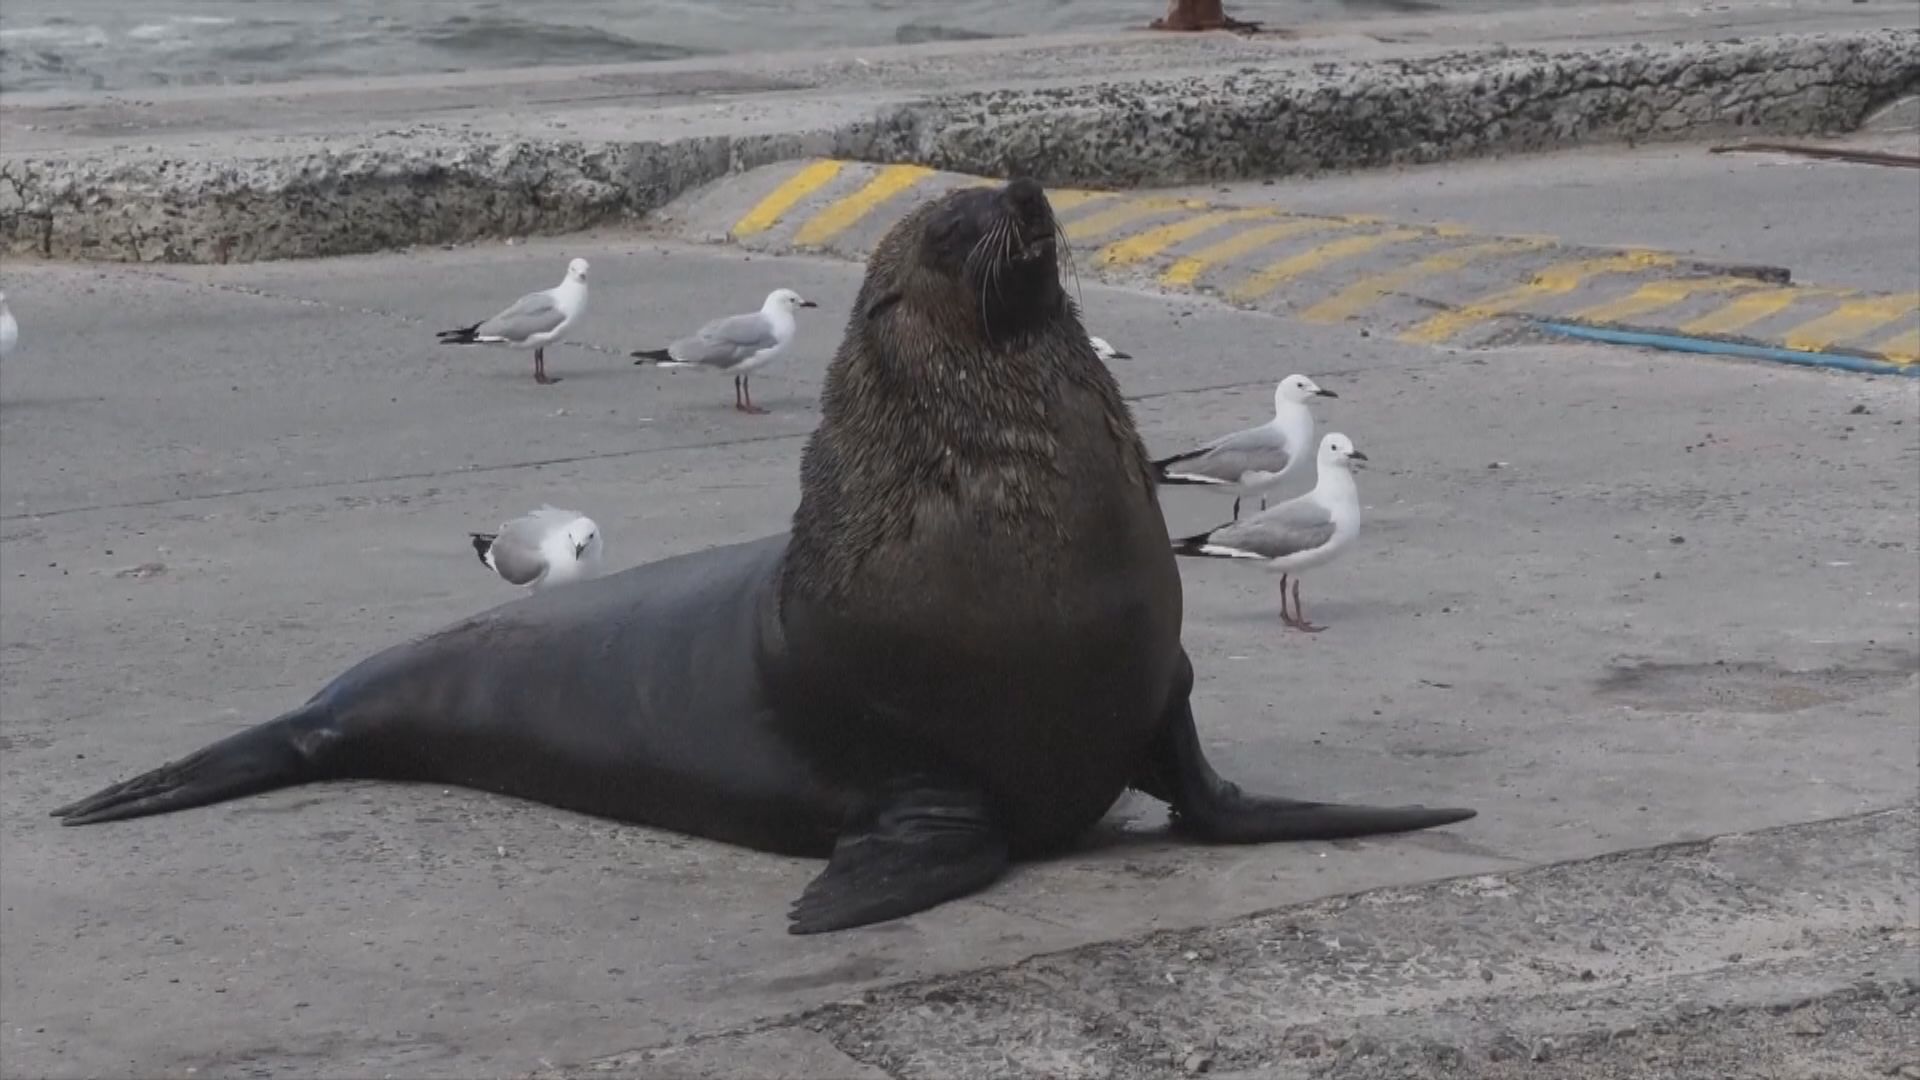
(737, 344)
(534, 321)
(1298, 534)
(1253, 461)
(549, 546)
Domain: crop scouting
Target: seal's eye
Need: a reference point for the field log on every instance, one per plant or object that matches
(946, 233)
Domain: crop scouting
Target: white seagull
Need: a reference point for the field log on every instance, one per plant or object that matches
(737, 344)
(534, 321)
(9, 330)
(1106, 351)
(546, 547)
(1301, 533)
(1254, 461)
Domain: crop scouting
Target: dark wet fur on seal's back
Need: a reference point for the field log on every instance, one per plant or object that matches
(965, 651)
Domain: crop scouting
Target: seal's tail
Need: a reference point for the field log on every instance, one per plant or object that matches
(276, 754)
(466, 335)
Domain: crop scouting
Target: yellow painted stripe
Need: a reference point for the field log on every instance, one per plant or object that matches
(1850, 320)
(1270, 278)
(1146, 245)
(1187, 269)
(1106, 221)
(1902, 348)
(1743, 312)
(782, 199)
(1355, 297)
(842, 215)
(1556, 280)
(1067, 198)
(1655, 295)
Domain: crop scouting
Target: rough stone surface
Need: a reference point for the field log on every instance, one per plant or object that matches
(1251, 123)
(445, 184)
(1792, 950)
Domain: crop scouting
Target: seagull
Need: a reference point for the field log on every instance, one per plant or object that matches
(739, 344)
(1303, 532)
(1253, 461)
(546, 547)
(1105, 351)
(9, 330)
(534, 321)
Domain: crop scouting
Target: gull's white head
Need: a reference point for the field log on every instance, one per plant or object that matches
(577, 270)
(786, 298)
(1337, 449)
(583, 539)
(1298, 389)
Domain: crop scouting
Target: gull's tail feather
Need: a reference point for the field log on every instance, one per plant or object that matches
(293, 749)
(1164, 472)
(483, 543)
(466, 335)
(1201, 546)
(656, 356)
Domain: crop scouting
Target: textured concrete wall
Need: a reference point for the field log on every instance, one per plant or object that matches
(328, 197)
(1252, 123)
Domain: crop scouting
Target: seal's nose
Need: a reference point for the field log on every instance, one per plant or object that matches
(1028, 199)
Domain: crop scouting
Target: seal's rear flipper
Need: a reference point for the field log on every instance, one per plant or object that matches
(279, 753)
(1209, 808)
(908, 851)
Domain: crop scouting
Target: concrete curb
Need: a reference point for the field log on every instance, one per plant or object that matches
(419, 187)
(1252, 124)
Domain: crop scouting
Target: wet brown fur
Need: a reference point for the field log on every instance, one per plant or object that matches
(979, 535)
(926, 399)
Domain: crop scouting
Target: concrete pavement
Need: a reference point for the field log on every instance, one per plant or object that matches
(1611, 598)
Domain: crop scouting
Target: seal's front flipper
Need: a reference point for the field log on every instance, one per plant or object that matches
(1209, 808)
(909, 849)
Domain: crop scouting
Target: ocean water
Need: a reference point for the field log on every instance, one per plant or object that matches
(122, 45)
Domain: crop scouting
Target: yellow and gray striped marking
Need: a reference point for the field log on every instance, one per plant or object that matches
(1435, 284)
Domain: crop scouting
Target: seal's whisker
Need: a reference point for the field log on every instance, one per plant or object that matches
(1073, 268)
(995, 247)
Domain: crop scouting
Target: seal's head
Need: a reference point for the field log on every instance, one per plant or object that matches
(990, 252)
(965, 411)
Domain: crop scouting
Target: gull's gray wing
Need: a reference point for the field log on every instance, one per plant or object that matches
(723, 343)
(516, 551)
(1259, 449)
(534, 313)
(1294, 526)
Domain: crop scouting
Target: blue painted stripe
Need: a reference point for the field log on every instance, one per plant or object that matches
(1683, 343)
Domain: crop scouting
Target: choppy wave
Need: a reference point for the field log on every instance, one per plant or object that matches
(130, 44)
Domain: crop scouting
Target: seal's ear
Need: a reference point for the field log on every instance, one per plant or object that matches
(886, 300)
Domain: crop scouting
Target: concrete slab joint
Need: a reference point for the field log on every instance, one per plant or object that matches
(428, 184)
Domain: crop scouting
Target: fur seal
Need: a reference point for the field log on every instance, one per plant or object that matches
(964, 650)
